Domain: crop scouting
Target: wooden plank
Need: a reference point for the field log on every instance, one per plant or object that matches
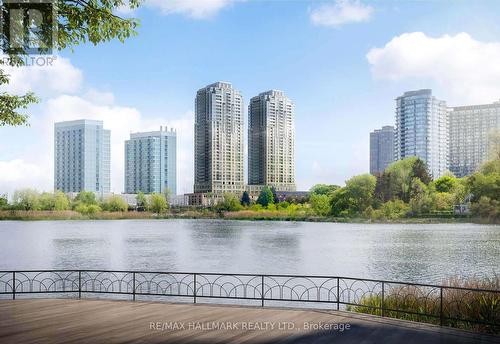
(109, 321)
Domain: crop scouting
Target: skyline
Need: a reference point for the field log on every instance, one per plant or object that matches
(348, 88)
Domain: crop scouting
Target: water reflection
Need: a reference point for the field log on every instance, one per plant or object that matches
(420, 253)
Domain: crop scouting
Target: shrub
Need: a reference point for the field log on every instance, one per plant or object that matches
(90, 209)
(475, 306)
(320, 204)
(157, 203)
(115, 204)
(26, 199)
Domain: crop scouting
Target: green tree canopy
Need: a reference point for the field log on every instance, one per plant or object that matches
(445, 183)
(355, 197)
(245, 199)
(323, 189)
(265, 197)
(26, 199)
(86, 197)
(78, 21)
(320, 204)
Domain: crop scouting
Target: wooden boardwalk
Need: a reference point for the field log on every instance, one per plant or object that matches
(103, 321)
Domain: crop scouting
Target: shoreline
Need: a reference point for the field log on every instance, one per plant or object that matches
(19, 215)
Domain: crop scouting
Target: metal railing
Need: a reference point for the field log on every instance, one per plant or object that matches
(443, 305)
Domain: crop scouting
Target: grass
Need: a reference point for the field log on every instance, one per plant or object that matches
(468, 306)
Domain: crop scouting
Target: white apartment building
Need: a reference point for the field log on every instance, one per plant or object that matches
(82, 157)
(422, 130)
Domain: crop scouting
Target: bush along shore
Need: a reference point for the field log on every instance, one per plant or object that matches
(404, 192)
(461, 308)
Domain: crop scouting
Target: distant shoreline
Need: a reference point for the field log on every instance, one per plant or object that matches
(20, 215)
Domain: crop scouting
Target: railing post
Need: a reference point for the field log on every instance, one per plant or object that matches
(262, 291)
(383, 299)
(133, 285)
(441, 306)
(194, 289)
(338, 293)
(79, 284)
(13, 285)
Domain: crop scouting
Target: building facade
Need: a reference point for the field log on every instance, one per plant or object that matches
(381, 149)
(218, 140)
(151, 162)
(472, 135)
(271, 141)
(422, 130)
(82, 157)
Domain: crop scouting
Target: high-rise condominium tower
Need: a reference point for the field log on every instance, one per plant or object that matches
(271, 141)
(82, 156)
(151, 162)
(472, 133)
(381, 149)
(422, 130)
(218, 140)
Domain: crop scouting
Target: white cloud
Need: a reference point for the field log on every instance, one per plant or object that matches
(33, 165)
(59, 76)
(464, 69)
(197, 9)
(341, 12)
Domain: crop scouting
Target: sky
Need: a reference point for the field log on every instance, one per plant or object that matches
(342, 63)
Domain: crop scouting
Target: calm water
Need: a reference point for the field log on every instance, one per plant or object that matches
(419, 253)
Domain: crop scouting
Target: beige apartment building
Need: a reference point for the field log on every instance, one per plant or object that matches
(472, 132)
(271, 142)
(218, 141)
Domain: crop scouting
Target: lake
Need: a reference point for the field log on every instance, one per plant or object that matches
(426, 253)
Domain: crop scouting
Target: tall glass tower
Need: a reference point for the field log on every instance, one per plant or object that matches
(422, 130)
(82, 156)
(218, 140)
(151, 162)
(271, 141)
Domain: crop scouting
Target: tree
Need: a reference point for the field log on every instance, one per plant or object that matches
(383, 188)
(320, 204)
(355, 197)
(445, 183)
(245, 199)
(419, 170)
(86, 197)
(323, 189)
(157, 203)
(275, 195)
(142, 202)
(484, 185)
(487, 208)
(265, 197)
(420, 197)
(61, 201)
(400, 178)
(490, 167)
(4, 202)
(47, 201)
(116, 204)
(361, 190)
(229, 203)
(78, 21)
(26, 199)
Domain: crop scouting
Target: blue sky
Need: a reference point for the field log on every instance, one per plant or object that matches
(342, 62)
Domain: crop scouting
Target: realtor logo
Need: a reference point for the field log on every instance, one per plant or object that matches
(28, 26)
